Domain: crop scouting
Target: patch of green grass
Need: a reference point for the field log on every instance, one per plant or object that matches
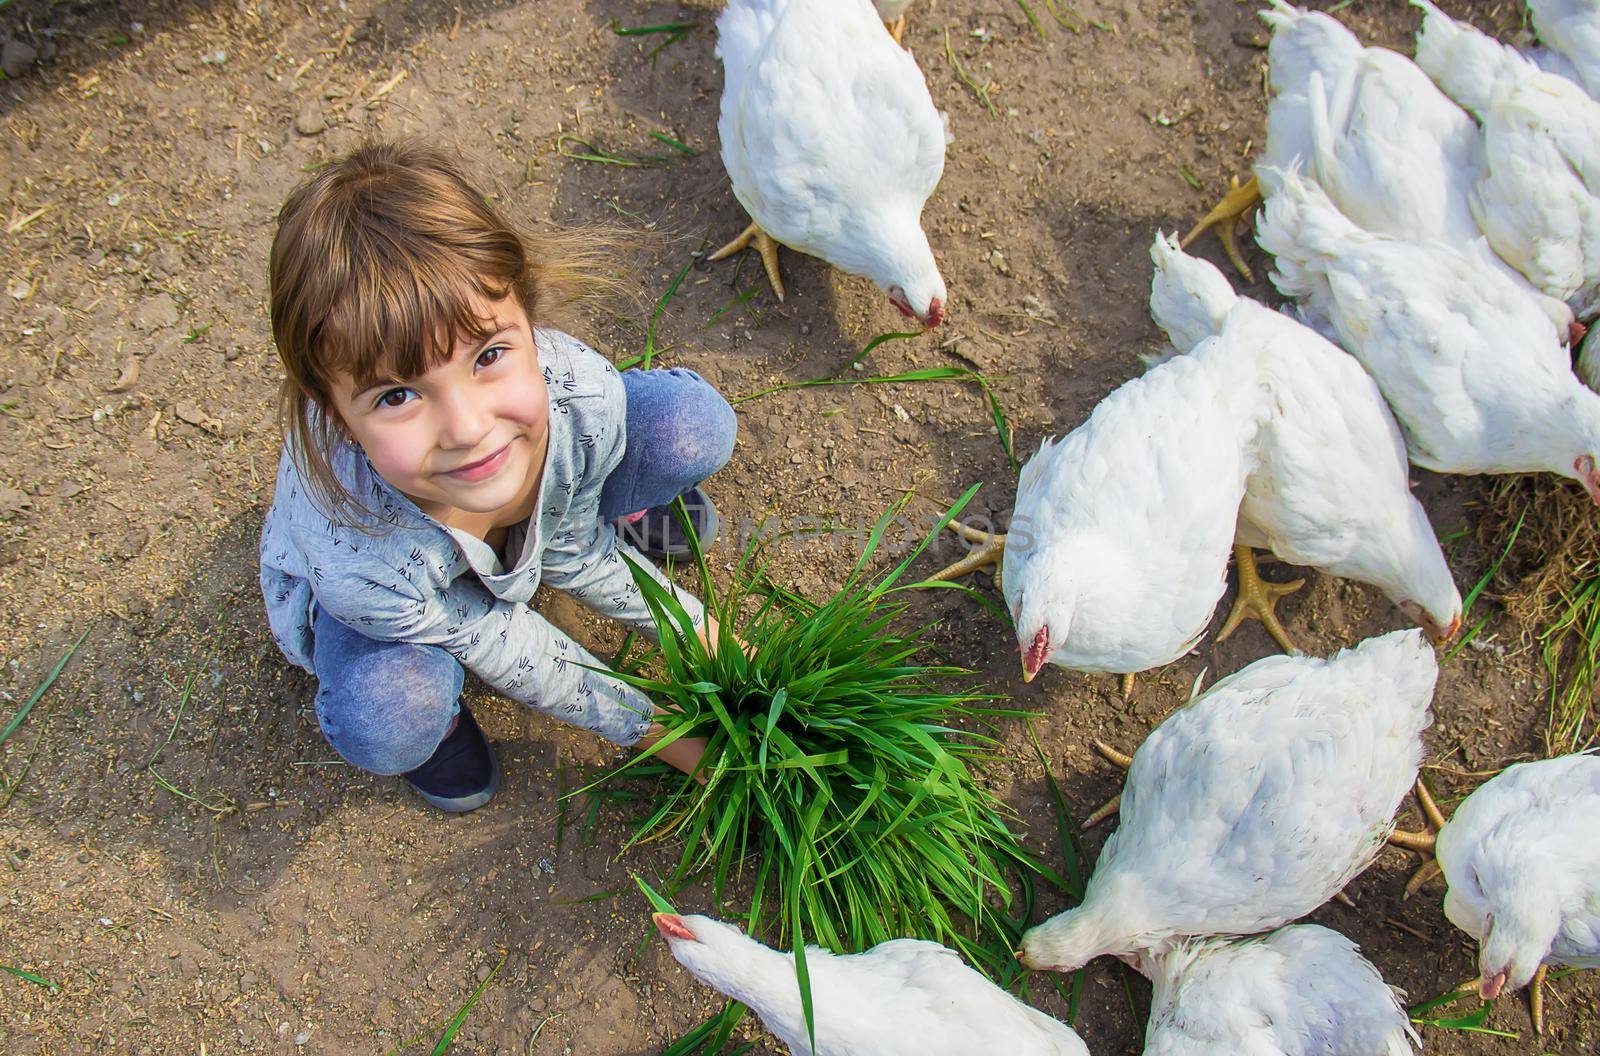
(925, 374)
(1569, 649)
(835, 778)
(1478, 587)
(1471, 1022)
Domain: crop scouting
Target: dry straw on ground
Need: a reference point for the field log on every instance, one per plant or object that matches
(1549, 583)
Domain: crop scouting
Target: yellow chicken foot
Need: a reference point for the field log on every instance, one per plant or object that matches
(765, 244)
(897, 29)
(1117, 759)
(1258, 598)
(1429, 870)
(990, 547)
(1127, 686)
(1421, 842)
(1226, 216)
(1536, 999)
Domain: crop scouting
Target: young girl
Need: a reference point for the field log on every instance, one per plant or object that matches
(444, 454)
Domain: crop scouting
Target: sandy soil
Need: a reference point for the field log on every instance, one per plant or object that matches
(184, 856)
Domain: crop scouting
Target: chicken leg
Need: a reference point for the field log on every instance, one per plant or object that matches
(1226, 216)
(1258, 598)
(1119, 760)
(1421, 842)
(990, 548)
(765, 244)
(897, 29)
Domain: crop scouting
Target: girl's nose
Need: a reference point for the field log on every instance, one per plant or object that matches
(467, 420)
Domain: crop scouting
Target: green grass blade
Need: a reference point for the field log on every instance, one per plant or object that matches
(899, 335)
(661, 904)
(40, 980)
(682, 148)
(40, 690)
(592, 153)
(642, 31)
(465, 1010)
(649, 354)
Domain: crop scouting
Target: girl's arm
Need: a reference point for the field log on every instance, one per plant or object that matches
(686, 752)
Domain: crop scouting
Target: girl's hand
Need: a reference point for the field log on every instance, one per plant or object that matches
(711, 634)
(683, 753)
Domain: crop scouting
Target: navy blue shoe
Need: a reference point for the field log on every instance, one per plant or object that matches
(658, 533)
(462, 773)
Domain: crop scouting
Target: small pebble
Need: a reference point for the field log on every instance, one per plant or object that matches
(310, 122)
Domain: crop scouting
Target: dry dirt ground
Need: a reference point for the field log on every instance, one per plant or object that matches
(184, 857)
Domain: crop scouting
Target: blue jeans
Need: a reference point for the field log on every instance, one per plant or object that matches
(385, 706)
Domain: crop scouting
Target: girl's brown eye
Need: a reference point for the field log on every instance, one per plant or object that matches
(395, 398)
(490, 356)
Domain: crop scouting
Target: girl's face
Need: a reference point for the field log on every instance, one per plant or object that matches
(470, 434)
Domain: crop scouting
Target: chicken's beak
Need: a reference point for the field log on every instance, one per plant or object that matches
(1490, 988)
(1436, 631)
(935, 314)
(1035, 656)
(1575, 332)
(672, 926)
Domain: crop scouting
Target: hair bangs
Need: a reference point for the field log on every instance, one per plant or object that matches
(405, 311)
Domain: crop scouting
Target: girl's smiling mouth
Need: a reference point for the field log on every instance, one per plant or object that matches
(482, 469)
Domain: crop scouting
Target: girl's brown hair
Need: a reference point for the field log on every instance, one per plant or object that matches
(377, 263)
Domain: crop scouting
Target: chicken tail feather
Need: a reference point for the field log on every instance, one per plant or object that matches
(1302, 229)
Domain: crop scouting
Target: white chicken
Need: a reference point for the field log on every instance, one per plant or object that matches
(1254, 803)
(1390, 149)
(900, 998)
(832, 143)
(1331, 487)
(1367, 126)
(1538, 201)
(1118, 546)
(1300, 991)
(1472, 369)
(1521, 856)
(1571, 29)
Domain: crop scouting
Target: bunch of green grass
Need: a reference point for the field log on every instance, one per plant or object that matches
(834, 778)
(1547, 576)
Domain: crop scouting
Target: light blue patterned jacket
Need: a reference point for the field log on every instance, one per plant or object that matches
(417, 581)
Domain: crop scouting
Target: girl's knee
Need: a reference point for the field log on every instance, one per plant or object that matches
(384, 706)
(389, 731)
(697, 437)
